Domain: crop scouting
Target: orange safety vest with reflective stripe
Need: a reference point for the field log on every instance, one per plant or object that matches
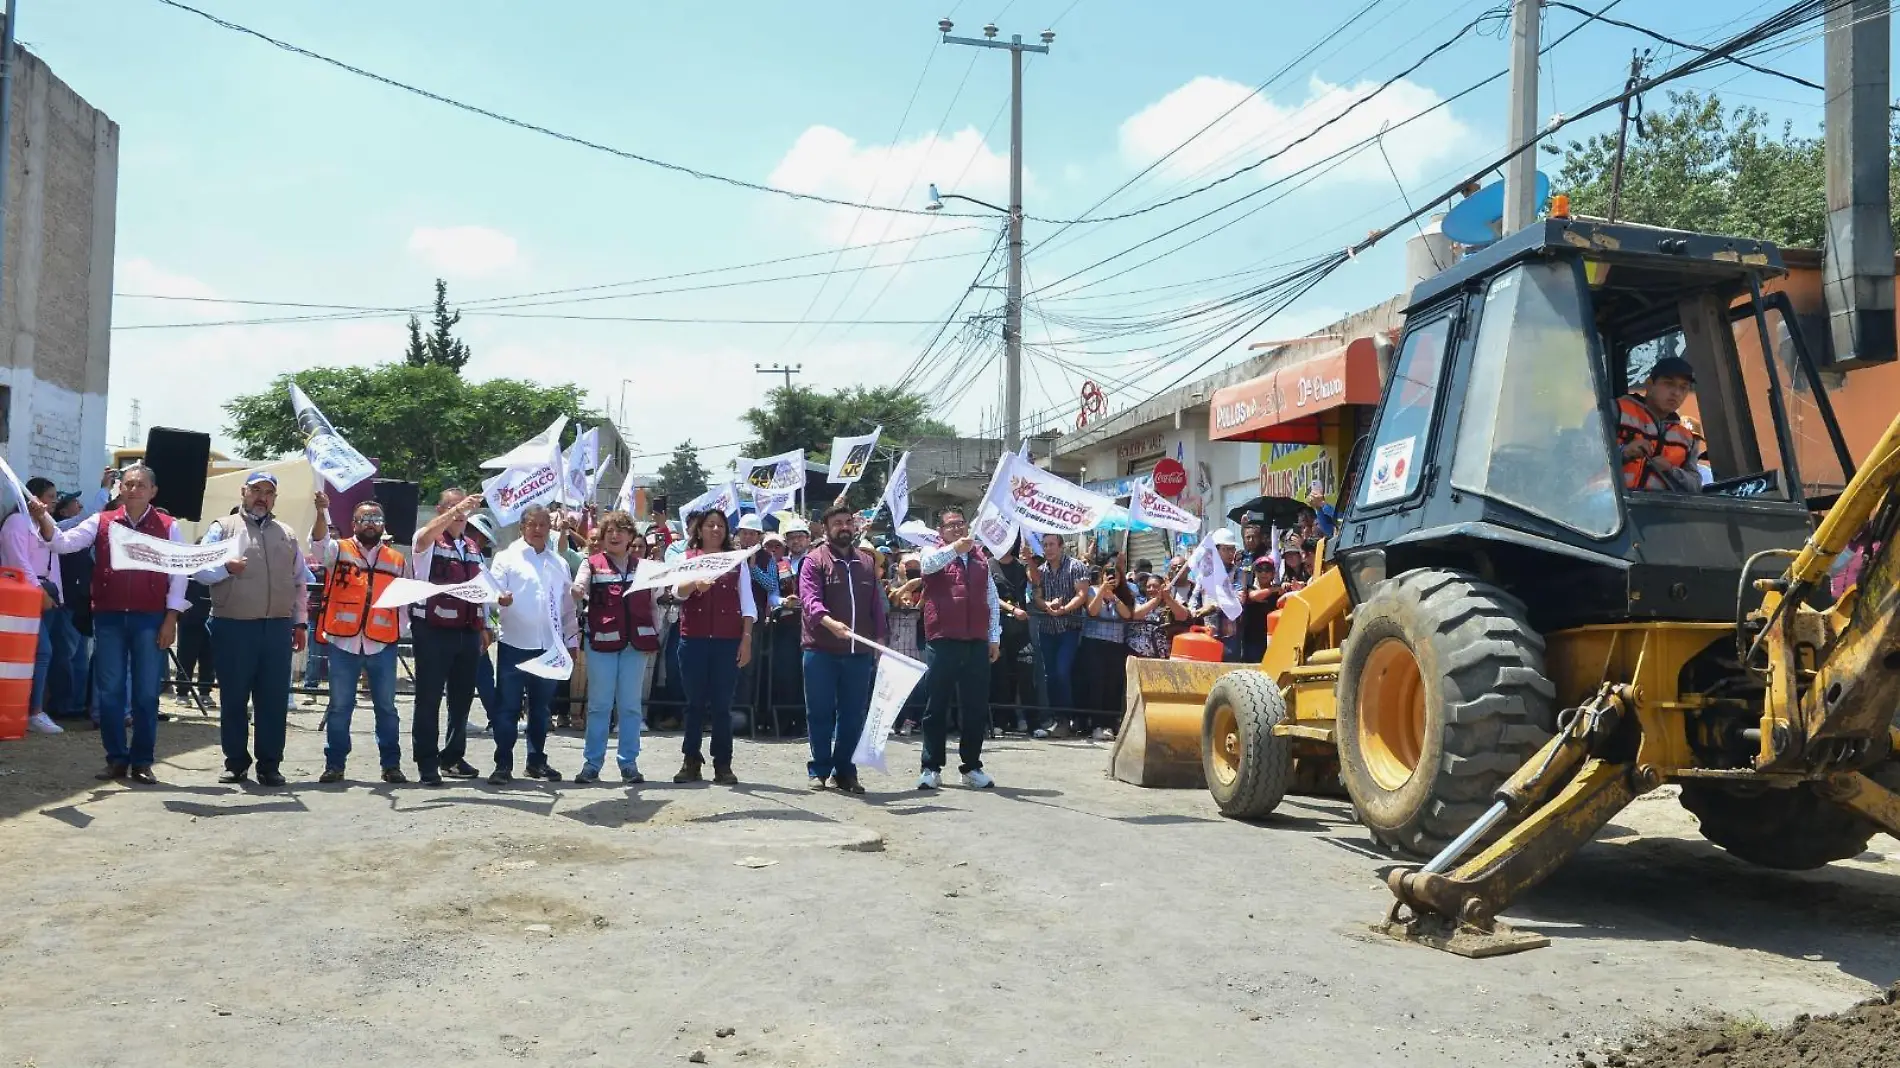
(353, 587)
(1670, 439)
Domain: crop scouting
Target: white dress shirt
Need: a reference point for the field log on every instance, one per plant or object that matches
(527, 576)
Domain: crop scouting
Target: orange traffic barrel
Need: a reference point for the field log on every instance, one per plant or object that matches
(1196, 643)
(20, 600)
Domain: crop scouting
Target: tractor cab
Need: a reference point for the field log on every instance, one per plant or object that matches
(1497, 451)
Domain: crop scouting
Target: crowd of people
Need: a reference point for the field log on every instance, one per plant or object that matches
(1037, 638)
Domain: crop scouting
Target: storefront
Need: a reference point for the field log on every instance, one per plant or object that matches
(1305, 416)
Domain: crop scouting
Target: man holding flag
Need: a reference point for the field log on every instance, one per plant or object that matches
(450, 637)
(963, 634)
(841, 600)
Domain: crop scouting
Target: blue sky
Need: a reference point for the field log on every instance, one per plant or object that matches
(249, 173)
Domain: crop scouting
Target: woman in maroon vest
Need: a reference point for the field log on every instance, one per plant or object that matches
(716, 620)
(621, 635)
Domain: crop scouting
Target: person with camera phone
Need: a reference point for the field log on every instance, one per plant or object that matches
(1104, 653)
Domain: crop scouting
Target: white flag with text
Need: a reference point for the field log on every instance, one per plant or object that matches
(330, 456)
(1147, 506)
(851, 456)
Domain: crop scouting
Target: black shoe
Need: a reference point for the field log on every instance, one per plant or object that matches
(462, 770)
(542, 771)
(816, 782)
(689, 772)
(331, 775)
(500, 777)
(111, 772)
(394, 775)
(724, 776)
(270, 778)
(587, 775)
(233, 777)
(429, 778)
(847, 783)
(142, 774)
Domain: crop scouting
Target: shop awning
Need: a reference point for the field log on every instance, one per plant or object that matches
(1284, 404)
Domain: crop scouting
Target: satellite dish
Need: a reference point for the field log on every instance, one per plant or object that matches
(1479, 218)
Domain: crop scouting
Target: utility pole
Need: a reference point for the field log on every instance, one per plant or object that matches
(6, 119)
(1013, 306)
(1857, 274)
(1623, 129)
(1520, 175)
(788, 370)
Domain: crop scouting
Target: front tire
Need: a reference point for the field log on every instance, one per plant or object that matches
(1248, 767)
(1442, 695)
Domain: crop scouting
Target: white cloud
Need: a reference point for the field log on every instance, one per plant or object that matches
(462, 251)
(830, 163)
(1260, 125)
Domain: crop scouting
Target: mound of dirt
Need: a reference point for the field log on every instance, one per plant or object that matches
(1865, 1036)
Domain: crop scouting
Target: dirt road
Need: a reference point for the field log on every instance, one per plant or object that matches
(1061, 919)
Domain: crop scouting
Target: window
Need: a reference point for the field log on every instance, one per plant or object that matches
(1532, 435)
(1391, 465)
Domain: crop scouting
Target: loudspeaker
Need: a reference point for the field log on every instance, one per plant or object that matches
(179, 459)
(399, 501)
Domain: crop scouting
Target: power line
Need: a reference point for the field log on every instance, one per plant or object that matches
(571, 318)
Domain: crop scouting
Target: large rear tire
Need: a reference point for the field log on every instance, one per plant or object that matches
(1794, 829)
(1248, 767)
(1442, 695)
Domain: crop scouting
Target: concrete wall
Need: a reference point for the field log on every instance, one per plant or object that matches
(56, 285)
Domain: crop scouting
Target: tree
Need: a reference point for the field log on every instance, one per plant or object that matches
(445, 349)
(1696, 165)
(417, 355)
(683, 477)
(424, 424)
(798, 417)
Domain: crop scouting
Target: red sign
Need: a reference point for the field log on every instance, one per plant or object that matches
(1170, 478)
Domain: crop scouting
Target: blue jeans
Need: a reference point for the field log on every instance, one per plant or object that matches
(253, 659)
(69, 692)
(709, 669)
(43, 659)
(614, 682)
(380, 669)
(128, 658)
(837, 700)
(316, 665)
(511, 685)
(1056, 650)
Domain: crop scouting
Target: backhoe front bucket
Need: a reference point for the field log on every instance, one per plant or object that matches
(1159, 743)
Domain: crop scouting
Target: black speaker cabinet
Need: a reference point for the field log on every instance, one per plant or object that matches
(179, 459)
(399, 501)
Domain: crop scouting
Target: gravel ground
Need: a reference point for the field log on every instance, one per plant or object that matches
(1060, 919)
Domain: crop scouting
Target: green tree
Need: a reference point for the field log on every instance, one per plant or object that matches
(444, 348)
(683, 477)
(425, 424)
(1696, 165)
(798, 417)
(417, 354)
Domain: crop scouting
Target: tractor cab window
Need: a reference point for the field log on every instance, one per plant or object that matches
(1398, 450)
(1532, 435)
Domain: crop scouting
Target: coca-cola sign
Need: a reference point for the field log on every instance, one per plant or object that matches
(1170, 478)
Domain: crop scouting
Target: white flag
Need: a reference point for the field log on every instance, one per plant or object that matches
(599, 476)
(1147, 506)
(769, 502)
(625, 501)
(850, 456)
(724, 497)
(555, 662)
(1274, 552)
(653, 574)
(517, 489)
(995, 523)
(916, 532)
(782, 472)
(1042, 502)
(579, 462)
(14, 488)
(532, 451)
(1210, 575)
(136, 551)
(332, 457)
(897, 490)
(401, 591)
(897, 676)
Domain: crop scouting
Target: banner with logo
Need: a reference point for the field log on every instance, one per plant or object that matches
(771, 502)
(1210, 576)
(135, 551)
(532, 451)
(724, 497)
(517, 489)
(851, 456)
(555, 662)
(1147, 505)
(1041, 502)
(653, 574)
(897, 676)
(918, 533)
(995, 524)
(782, 472)
(333, 458)
(897, 490)
(580, 462)
(403, 591)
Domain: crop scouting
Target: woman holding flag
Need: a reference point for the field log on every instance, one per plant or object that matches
(716, 618)
(621, 635)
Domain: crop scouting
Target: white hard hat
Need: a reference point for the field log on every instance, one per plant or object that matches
(750, 521)
(1223, 536)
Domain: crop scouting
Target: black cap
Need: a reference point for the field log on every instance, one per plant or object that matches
(1672, 367)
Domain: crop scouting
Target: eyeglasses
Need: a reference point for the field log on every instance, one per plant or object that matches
(371, 517)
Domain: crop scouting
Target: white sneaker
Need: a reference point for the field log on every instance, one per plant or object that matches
(42, 723)
(929, 780)
(1103, 734)
(978, 779)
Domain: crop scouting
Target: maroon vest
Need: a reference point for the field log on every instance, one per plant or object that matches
(617, 618)
(956, 600)
(128, 591)
(850, 591)
(715, 612)
(453, 561)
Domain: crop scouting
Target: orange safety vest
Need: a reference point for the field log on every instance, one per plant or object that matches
(353, 587)
(1671, 440)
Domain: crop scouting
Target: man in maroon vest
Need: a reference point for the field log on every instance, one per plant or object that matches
(840, 598)
(963, 635)
(134, 620)
(450, 637)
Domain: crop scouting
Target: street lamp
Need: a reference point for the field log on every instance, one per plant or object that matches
(936, 201)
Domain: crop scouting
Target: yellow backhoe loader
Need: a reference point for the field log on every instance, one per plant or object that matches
(1508, 644)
